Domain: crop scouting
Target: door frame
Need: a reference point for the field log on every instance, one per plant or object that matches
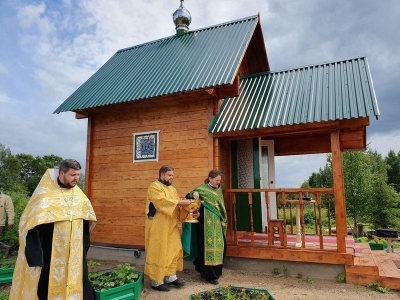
(270, 182)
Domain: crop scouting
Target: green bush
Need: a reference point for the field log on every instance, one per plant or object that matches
(377, 241)
(4, 295)
(10, 236)
(363, 239)
(6, 263)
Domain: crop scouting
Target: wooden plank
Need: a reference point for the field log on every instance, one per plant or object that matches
(135, 211)
(117, 238)
(386, 266)
(365, 279)
(318, 143)
(290, 254)
(122, 221)
(368, 270)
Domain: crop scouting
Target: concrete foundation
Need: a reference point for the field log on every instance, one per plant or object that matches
(289, 268)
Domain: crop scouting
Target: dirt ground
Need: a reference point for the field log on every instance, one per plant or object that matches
(280, 287)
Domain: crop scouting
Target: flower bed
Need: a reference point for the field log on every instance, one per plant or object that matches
(122, 283)
(233, 293)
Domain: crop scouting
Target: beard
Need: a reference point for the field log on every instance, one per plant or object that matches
(167, 183)
(69, 185)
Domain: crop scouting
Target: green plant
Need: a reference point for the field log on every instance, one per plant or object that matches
(228, 292)
(376, 287)
(276, 271)
(4, 295)
(122, 274)
(309, 280)
(285, 271)
(6, 263)
(93, 263)
(377, 241)
(341, 277)
(300, 276)
(363, 239)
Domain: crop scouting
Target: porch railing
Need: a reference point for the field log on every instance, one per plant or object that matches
(288, 199)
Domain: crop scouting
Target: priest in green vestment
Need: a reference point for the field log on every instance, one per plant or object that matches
(205, 242)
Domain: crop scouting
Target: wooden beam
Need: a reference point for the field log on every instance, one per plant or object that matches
(338, 189)
(213, 145)
(292, 254)
(79, 115)
(89, 137)
(230, 90)
(312, 128)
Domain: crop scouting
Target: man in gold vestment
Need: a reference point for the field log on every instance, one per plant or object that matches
(164, 255)
(54, 240)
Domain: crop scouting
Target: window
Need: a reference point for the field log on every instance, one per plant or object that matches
(145, 146)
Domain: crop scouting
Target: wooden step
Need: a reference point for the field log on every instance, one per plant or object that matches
(376, 266)
(385, 264)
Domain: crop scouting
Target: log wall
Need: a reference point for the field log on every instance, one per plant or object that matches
(116, 186)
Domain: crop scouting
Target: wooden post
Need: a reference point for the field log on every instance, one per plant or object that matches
(338, 190)
(89, 150)
(235, 236)
(250, 197)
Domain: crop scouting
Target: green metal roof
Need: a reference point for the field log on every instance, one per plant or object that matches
(329, 91)
(199, 59)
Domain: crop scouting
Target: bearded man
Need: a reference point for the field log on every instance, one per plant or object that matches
(54, 239)
(164, 254)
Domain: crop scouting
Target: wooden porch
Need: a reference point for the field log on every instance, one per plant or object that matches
(362, 266)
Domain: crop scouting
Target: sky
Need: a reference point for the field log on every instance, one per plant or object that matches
(49, 48)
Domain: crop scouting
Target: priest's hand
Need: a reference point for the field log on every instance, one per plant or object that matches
(196, 214)
(196, 195)
(184, 202)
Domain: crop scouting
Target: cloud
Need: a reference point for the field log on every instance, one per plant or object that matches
(292, 171)
(3, 69)
(61, 135)
(57, 45)
(33, 18)
(4, 98)
(384, 142)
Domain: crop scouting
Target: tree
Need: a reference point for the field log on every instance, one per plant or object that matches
(324, 176)
(357, 179)
(22, 172)
(369, 193)
(5, 152)
(393, 170)
(10, 174)
(384, 201)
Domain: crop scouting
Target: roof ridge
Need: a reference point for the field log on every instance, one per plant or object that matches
(189, 32)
